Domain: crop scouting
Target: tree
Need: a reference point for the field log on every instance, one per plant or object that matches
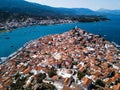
(100, 83)
(45, 86)
(18, 85)
(111, 74)
(52, 72)
(80, 75)
(41, 77)
(99, 88)
(17, 76)
(117, 81)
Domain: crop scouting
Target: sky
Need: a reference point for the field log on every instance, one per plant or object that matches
(91, 4)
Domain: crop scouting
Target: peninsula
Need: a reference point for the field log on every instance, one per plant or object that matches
(76, 60)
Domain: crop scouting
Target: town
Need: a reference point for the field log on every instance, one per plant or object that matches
(10, 21)
(74, 60)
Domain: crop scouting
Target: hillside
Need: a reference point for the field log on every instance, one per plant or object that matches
(11, 20)
(106, 11)
(24, 7)
(20, 13)
(76, 59)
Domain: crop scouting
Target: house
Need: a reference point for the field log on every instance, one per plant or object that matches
(1, 79)
(55, 77)
(48, 80)
(81, 69)
(7, 82)
(59, 84)
(107, 81)
(67, 81)
(94, 78)
(86, 82)
(39, 68)
(116, 76)
(26, 71)
(66, 88)
(65, 73)
(106, 88)
(116, 87)
(2, 87)
(76, 87)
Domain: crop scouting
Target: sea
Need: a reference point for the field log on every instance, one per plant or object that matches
(11, 41)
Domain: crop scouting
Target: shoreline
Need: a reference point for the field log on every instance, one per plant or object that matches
(14, 54)
(9, 30)
(1, 31)
(9, 26)
(116, 45)
(43, 55)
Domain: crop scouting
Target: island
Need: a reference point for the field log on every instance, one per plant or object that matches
(76, 60)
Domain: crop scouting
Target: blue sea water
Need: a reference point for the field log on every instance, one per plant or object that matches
(11, 41)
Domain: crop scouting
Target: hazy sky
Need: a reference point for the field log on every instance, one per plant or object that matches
(92, 4)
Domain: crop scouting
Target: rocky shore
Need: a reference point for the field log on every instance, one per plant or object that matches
(76, 60)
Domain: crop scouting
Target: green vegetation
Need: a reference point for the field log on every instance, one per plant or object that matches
(10, 21)
(117, 81)
(41, 77)
(19, 84)
(89, 18)
(111, 74)
(17, 76)
(36, 84)
(45, 86)
(52, 72)
(6, 16)
(98, 88)
(100, 83)
(80, 75)
(2, 31)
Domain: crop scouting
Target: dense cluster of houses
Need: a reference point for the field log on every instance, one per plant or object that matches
(82, 62)
(10, 25)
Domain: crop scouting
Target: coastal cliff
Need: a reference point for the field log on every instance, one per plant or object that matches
(75, 60)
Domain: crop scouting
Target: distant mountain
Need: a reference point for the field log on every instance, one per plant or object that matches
(24, 7)
(106, 11)
(29, 8)
(19, 13)
(76, 11)
(21, 6)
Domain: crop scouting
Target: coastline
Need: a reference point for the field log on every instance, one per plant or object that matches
(1, 31)
(9, 26)
(47, 24)
(9, 30)
(35, 58)
(116, 45)
(14, 54)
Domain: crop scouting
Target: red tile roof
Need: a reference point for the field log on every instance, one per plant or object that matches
(86, 81)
